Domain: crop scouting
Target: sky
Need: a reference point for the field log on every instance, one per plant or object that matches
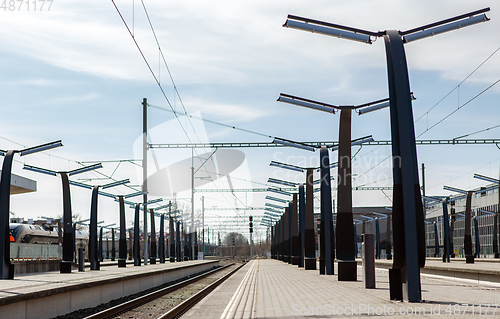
(73, 73)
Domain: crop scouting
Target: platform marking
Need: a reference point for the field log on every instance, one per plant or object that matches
(243, 292)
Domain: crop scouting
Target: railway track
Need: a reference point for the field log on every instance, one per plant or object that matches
(164, 303)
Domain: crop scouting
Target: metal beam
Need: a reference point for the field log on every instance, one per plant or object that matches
(258, 190)
(319, 144)
(236, 208)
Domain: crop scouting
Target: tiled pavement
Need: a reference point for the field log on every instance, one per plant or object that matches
(281, 290)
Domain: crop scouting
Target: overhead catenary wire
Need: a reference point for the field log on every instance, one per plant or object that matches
(149, 67)
(480, 131)
(152, 72)
(458, 86)
(166, 66)
(461, 106)
(211, 121)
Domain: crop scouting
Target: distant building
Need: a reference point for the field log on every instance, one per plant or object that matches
(456, 209)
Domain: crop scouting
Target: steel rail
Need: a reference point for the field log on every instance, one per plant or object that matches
(187, 304)
(134, 303)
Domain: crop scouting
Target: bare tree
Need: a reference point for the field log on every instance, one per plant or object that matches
(241, 245)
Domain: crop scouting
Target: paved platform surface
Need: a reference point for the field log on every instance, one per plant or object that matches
(36, 285)
(478, 267)
(461, 259)
(273, 289)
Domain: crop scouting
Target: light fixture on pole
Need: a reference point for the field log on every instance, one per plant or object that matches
(345, 250)
(453, 189)
(93, 241)
(277, 199)
(287, 166)
(84, 169)
(295, 100)
(496, 216)
(274, 206)
(278, 191)
(7, 268)
(410, 239)
(377, 105)
(117, 183)
(437, 28)
(486, 178)
(330, 29)
(273, 210)
(122, 244)
(469, 256)
(282, 141)
(68, 237)
(134, 194)
(163, 206)
(281, 182)
(355, 142)
(272, 215)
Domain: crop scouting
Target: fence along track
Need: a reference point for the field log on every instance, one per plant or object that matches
(134, 303)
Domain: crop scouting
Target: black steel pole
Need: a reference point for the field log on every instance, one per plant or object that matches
(496, 220)
(282, 238)
(446, 221)
(195, 244)
(145, 147)
(408, 219)
(288, 233)
(295, 242)
(178, 241)
(377, 238)
(302, 224)
(355, 240)
(7, 266)
(93, 241)
(172, 240)
(107, 247)
(74, 243)
(153, 238)
(495, 235)
(137, 249)
(309, 234)
(100, 245)
(113, 246)
(347, 266)
(122, 243)
(452, 229)
(436, 240)
(388, 242)
(131, 245)
(161, 244)
(68, 238)
(476, 233)
(185, 233)
(469, 256)
(327, 221)
(275, 242)
(278, 239)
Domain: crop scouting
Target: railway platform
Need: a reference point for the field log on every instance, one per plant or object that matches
(50, 294)
(273, 289)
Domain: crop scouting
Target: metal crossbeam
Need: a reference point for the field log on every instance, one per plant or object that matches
(258, 190)
(319, 144)
(237, 208)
